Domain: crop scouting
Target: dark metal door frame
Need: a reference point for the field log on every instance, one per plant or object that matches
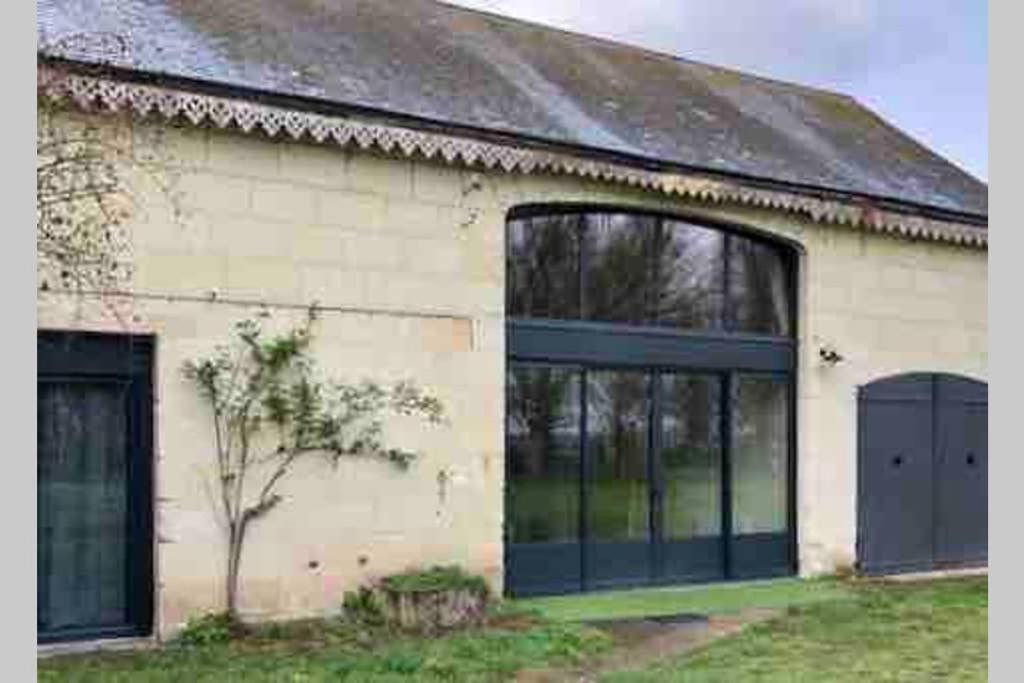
(656, 468)
(724, 353)
(656, 540)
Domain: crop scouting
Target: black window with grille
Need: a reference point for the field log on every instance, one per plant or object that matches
(93, 486)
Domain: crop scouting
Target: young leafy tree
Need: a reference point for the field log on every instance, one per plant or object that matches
(269, 411)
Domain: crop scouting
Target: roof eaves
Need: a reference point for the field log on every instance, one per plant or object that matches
(508, 137)
(91, 84)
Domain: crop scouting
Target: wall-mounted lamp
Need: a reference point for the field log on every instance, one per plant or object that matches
(829, 356)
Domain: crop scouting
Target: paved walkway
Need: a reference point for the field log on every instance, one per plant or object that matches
(643, 642)
(931, 576)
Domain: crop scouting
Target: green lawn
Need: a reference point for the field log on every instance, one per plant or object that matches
(779, 593)
(826, 631)
(491, 654)
(936, 631)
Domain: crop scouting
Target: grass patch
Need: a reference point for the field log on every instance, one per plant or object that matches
(936, 631)
(318, 651)
(829, 631)
(434, 579)
(714, 599)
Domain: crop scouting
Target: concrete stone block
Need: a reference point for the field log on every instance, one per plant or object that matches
(240, 237)
(244, 155)
(163, 272)
(211, 192)
(329, 285)
(284, 202)
(445, 334)
(379, 175)
(351, 210)
(315, 165)
(438, 184)
(432, 256)
(319, 244)
(418, 219)
(264, 278)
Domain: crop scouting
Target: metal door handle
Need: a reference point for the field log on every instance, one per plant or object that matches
(970, 459)
(897, 460)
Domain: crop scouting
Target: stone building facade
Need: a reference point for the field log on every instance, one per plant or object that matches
(404, 253)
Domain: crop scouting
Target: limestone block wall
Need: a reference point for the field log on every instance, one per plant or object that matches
(406, 261)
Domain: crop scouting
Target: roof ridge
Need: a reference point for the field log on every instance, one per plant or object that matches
(653, 52)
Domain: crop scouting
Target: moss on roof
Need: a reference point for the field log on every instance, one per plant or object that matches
(466, 68)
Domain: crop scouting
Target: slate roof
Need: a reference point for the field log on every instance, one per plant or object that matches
(466, 69)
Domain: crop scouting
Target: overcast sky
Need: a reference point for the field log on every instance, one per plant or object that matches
(921, 64)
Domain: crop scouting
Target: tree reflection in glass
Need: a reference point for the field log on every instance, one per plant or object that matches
(639, 269)
(758, 288)
(691, 455)
(760, 454)
(687, 280)
(543, 267)
(616, 249)
(544, 451)
(617, 419)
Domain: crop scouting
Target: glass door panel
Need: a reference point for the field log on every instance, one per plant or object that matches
(543, 487)
(759, 471)
(690, 449)
(617, 477)
(618, 493)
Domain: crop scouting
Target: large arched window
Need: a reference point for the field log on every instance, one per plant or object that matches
(646, 270)
(649, 401)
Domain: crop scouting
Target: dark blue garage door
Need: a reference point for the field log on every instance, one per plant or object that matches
(922, 474)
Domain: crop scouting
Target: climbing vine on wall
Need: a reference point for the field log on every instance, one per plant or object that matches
(269, 411)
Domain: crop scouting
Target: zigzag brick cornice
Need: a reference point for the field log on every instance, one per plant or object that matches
(101, 93)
